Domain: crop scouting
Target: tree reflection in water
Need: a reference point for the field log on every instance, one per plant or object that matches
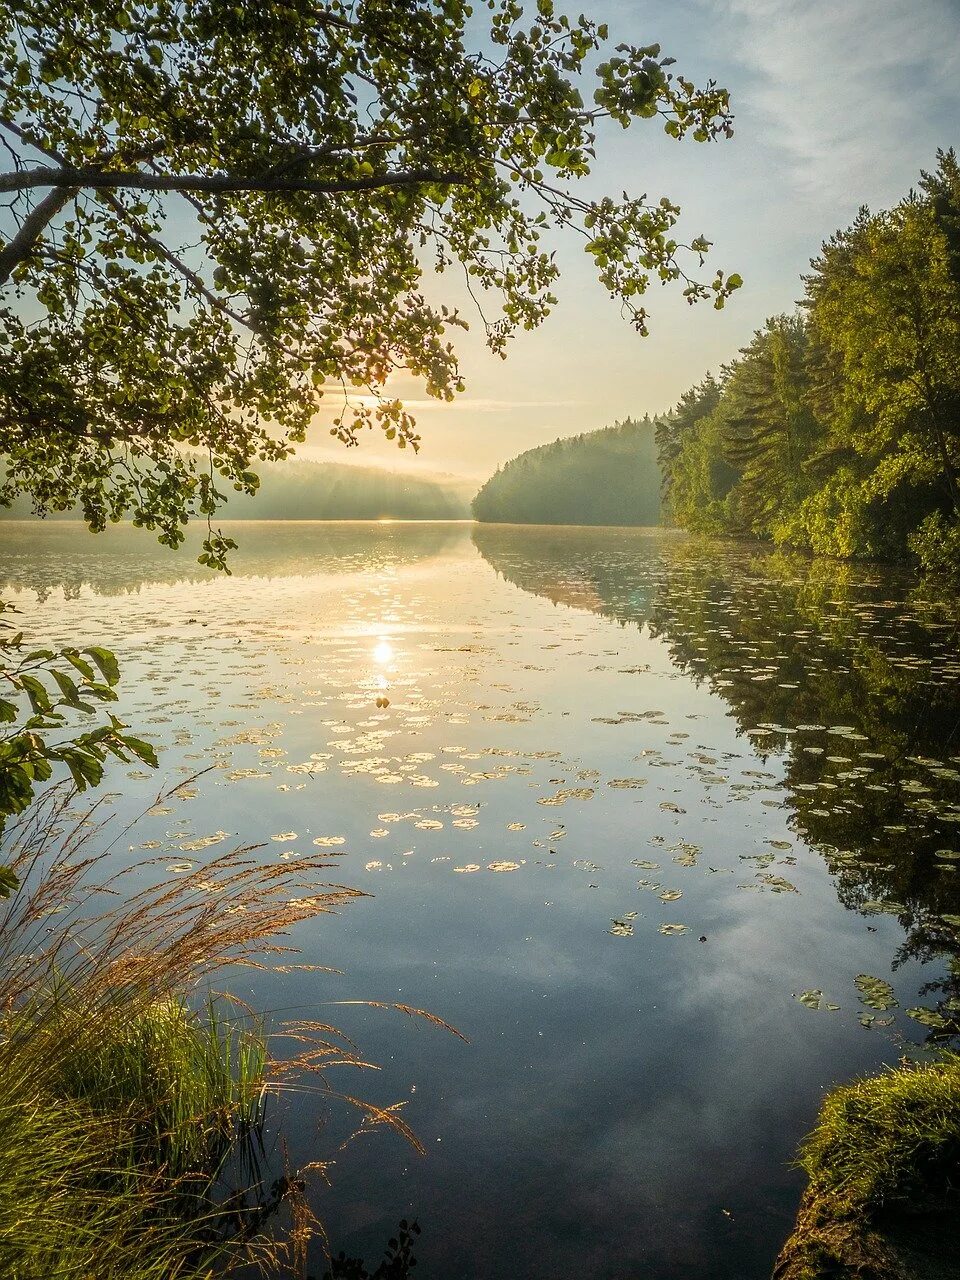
(846, 678)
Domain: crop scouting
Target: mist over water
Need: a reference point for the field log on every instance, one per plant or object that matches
(669, 830)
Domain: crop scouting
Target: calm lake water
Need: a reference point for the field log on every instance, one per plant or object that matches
(669, 830)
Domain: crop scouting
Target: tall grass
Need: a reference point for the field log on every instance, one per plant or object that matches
(121, 1107)
(113, 1134)
(889, 1141)
(187, 1086)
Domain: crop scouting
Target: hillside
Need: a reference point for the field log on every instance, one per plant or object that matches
(606, 477)
(304, 490)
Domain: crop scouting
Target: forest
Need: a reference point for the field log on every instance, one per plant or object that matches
(837, 429)
(601, 477)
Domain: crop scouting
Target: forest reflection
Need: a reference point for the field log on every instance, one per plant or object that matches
(846, 678)
(123, 559)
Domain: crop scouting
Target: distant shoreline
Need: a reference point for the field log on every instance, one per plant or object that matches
(58, 521)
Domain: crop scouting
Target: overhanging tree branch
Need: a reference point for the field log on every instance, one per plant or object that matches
(158, 248)
(216, 184)
(32, 228)
(196, 282)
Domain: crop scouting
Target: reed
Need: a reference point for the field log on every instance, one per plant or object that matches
(122, 1107)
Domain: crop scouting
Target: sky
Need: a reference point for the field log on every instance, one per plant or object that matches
(838, 103)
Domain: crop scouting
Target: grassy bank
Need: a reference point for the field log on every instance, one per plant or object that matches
(884, 1167)
(891, 1140)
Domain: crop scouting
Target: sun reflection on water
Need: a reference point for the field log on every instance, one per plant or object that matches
(383, 652)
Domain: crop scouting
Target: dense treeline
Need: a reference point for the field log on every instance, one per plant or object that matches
(603, 477)
(838, 428)
(304, 490)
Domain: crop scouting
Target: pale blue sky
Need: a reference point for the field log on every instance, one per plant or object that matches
(837, 104)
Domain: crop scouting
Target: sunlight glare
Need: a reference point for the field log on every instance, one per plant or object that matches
(383, 652)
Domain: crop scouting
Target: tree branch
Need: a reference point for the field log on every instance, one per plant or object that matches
(12, 127)
(193, 279)
(32, 228)
(216, 184)
(161, 251)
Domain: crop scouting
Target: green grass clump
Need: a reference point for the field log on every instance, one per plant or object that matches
(116, 1118)
(888, 1141)
(186, 1087)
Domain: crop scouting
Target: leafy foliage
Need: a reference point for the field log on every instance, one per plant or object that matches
(672, 429)
(838, 430)
(240, 204)
(602, 477)
(767, 424)
(42, 688)
(699, 477)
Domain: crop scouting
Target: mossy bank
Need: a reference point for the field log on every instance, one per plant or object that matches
(884, 1168)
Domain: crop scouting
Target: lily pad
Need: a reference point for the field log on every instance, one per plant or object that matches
(875, 993)
(810, 999)
(929, 1018)
(623, 928)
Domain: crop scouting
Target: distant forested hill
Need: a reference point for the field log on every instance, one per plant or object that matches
(304, 490)
(339, 491)
(604, 477)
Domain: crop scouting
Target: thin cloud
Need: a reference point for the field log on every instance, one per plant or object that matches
(855, 96)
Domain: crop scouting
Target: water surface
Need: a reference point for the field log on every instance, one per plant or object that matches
(639, 814)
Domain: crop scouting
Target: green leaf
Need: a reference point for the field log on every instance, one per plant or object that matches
(142, 750)
(106, 663)
(81, 664)
(37, 693)
(67, 687)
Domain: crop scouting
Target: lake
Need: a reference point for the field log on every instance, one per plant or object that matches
(669, 830)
